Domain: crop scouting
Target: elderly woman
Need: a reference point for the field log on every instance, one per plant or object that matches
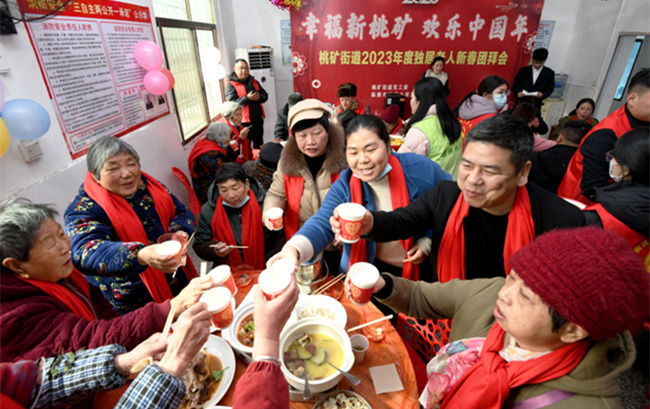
(310, 163)
(114, 223)
(379, 180)
(47, 306)
(208, 154)
(231, 115)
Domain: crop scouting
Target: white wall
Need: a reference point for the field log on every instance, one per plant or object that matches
(584, 39)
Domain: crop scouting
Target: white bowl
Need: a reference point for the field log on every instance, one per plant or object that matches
(240, 314)
(324, 301)
(322, 326)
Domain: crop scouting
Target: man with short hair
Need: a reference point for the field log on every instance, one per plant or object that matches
(230, 229)
(484, 217)
(548, 167)
(535, 80)
(244, 89)
(557, 336)
(588, 168)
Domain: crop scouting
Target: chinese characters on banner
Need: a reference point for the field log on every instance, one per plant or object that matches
(86, 57)
(385, 46)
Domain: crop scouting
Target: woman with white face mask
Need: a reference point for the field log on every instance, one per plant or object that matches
(624, 206)
(490, 98)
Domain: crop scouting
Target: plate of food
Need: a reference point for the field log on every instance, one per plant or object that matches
(321, 306)
(341, 399)
(209, 375)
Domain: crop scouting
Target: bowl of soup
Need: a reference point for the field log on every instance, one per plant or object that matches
(242, 330)
(306, 344)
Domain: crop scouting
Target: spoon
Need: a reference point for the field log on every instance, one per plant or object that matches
(306, 394)
(353, 379)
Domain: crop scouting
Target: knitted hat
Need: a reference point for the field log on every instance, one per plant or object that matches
(307, 109)
(589, 276)
(270, 154)
(390, 114)
(346, 90)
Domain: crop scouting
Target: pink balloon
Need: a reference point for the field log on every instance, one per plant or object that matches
(148, 55)
(170, 77)
(156, 82)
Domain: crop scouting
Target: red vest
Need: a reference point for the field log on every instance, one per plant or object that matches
(570, 187)
(468, 124)
(638, 242)
(241, 91)
(359, 109)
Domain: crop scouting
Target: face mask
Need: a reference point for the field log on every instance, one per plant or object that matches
(611, 174)
(243, 202)
(500, 100)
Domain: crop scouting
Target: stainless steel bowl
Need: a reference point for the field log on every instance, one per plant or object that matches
(308, 288)
(333, 394)
(312, 271)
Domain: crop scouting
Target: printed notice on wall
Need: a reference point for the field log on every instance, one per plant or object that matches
(86, 57)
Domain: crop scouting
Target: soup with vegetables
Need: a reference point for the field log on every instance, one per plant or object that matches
(246, 331)
(313, 350)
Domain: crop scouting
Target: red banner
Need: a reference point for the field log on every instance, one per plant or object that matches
(384, 46)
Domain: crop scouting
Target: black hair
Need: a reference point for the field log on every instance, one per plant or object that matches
(228, 171)
(241, 59)
(582, 101)
(541, 54)
(525, 111)
(507, 132)
(308, 123)
(632, 150)
(640, 82)
(487, 86)
(557, 321)
(574, 131)
(435, 60)
(345, 117)
(370, 122)
(429, 91)
(346, 90)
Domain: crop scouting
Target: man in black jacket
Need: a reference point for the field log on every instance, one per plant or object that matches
(535, 80)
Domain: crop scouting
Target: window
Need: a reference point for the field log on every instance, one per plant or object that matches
(189, 45)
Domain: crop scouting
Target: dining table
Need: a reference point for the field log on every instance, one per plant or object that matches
(390, 350)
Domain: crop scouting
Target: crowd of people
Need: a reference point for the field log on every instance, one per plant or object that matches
(476, 209)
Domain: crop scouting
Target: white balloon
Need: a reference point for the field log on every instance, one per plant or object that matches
(220, 71)
(212, 54)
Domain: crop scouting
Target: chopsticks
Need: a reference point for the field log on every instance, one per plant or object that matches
(168, 323)
(230, 246)
(371, 322)
(204, 268)
(326, 286)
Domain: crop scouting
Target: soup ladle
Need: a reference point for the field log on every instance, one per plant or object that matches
(306, 393)
(353, 379)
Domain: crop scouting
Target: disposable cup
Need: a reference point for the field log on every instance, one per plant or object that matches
(363, 277)
(350, 217)
(221, 275)
(374, 332)
(273, 282)
(219, 305)
(360, 346)
(234, 145)
(283, 265)
(274, 215)
(170, 248)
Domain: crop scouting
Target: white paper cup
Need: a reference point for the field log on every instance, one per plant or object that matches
(273, 282)
(170, 248)
(360, 346)
(221, 275)
(350, 217)
(283, 265)
(219, 305)
(274, 215)
(363, 277)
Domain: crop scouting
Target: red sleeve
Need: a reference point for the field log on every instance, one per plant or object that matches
(262, 387)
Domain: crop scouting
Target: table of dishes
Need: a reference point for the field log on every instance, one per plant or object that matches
(388, 351)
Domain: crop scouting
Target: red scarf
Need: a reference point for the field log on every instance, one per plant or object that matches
(202, 146)
(129, 227)
(451, 252)
(67, 297)
(293, 188)
(244, 144)
(575, 118)
(487, 383)
(252, 232)
(399, 197)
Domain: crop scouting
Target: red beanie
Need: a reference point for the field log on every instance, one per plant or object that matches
(390, 114)
(589, 276)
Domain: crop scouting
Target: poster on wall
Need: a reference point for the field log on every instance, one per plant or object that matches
(385, 46)
(86, 58)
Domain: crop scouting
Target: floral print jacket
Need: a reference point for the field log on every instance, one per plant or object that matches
(110, 264)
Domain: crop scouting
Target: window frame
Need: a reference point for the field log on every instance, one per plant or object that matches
(163, 22)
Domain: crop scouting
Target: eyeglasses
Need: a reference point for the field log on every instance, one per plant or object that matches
(609, 156)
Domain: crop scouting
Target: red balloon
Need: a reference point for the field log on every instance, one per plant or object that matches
(169, 76)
